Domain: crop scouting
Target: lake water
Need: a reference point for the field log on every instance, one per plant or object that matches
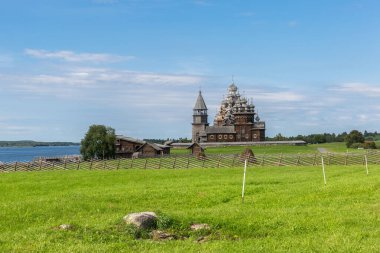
(27, 154)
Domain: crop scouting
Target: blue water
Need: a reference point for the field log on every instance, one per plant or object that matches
(27, 154)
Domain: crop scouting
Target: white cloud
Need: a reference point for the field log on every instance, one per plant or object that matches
(282, 96)
(100, 84)
(162, 79)
(359, 88)
(162, 97)
(10, 129)
(71, 56)
(363, 117)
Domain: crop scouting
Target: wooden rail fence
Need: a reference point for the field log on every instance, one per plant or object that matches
(189, 162)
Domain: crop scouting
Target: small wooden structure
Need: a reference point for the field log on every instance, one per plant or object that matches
(197, 150)
(248, 155)
(153, 149)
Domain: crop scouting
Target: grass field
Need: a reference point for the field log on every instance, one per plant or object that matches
(286, 210)
(275, 149)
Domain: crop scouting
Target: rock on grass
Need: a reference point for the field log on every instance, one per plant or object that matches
(143, 220)
(196, 227)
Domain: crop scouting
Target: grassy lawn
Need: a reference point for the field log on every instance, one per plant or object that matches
(286, 209)
(286, 149)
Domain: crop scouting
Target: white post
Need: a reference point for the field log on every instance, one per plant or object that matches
(323, 170)
(366, 163)
(242, 192)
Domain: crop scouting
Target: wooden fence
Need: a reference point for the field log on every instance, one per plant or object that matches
(189, 162)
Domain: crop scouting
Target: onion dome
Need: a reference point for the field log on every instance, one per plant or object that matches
(232, 88)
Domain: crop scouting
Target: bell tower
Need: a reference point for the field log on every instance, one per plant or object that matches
(199, 120)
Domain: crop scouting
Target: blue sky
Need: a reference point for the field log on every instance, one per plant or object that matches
(137, 66)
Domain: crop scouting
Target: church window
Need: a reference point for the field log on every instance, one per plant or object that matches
(225, 136)
(231, 136)
(212, 136)
(220, 136)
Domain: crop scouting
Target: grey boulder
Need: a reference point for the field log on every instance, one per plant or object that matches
(143, 220)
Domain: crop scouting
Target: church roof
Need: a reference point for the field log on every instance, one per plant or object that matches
(200, 104)
(220, 130)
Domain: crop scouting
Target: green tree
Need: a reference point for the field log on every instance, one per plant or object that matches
(279, 137)
(99, 142)
(354, 137)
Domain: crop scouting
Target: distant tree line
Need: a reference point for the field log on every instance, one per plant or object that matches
(375, 136)
(354, 139)
(311, 138)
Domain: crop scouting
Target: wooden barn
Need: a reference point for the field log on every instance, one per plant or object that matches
(153, 149)
(126, 146)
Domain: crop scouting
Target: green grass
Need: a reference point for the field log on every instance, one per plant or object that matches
(274, 149)
(286, 210)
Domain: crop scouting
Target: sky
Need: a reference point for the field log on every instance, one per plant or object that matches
(137, 66)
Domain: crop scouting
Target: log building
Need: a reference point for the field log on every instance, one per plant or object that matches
(236, 120)
(126, 146)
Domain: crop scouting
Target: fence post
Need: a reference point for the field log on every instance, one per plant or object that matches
(323, 170)
(159, 164)
(40, 164)
(118, 164)
(262, 164)
(345, 159)
(203, 161)
(233, 161)
(104, 164)
(78, 165)
(298, 159)
(175, 160)
(65, 164)
(188, 162)
(242, 191)
(16, 166)
(132, 163)
(92, 160)
(220, 158)
(279, 163)
(315, 159)
(27, 167)
(366, 164)
(146, 161)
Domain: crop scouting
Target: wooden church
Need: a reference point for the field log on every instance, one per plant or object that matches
(236, 120)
